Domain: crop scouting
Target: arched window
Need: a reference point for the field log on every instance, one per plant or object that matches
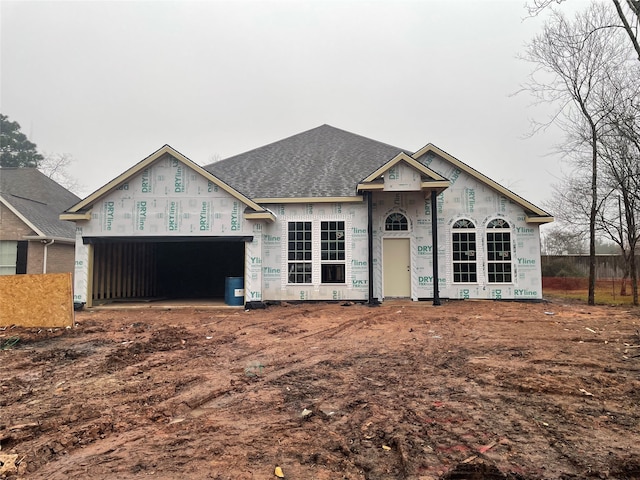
(499, 251)
(464, 252)
(396, 222)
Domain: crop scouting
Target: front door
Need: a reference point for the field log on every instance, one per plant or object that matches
(396, 267)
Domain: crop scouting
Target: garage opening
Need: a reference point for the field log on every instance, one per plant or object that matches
(164, 268)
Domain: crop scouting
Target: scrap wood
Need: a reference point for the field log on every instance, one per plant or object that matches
(8, 463)
(488, 447)
(483, 449)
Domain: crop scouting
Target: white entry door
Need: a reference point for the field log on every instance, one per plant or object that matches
(396, 267)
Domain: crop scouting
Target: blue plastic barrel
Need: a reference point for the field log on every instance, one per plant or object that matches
(234, 291)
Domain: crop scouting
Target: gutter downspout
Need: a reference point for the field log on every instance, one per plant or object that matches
(434, 242)
(370, 245)
(44, 259)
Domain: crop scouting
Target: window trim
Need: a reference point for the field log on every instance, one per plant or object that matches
(294, 263)
(402, 223)
(316, 252)
(338, 262)
(459, 228)
(499, 226)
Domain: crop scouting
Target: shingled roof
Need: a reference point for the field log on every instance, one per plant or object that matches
(38, 201)
(321, 162)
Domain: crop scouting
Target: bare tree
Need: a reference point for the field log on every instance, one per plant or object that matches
(620, 153)
(55, 166)
(618, 209)
(628, 13)
(559, 240)
(572, 72)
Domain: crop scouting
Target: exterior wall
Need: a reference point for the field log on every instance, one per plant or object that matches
(465, 198)
(11, 227)
(253, 265)
(35, 257)
(171, 199)
(166, 199)
(275, 281)
(418, 212)
(60, 257)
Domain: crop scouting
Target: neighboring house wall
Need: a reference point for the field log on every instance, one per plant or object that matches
(60, 257)
(12, 227)
(35, 255)
(12, 231)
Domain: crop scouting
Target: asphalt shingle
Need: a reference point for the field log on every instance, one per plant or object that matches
(321, 162)
(38, 199)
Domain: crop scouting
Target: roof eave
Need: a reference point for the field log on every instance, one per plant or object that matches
(49, 237)
(266, 215)
(539, 219)
(17, 213)
(528, 206)
(412, 162)
(140, 166)
(76, 216)
(336, 199)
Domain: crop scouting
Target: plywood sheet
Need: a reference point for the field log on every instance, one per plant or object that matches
(36, 300)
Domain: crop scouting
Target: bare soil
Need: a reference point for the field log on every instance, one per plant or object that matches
(467, 390)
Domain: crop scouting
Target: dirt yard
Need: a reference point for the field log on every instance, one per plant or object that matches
(468, 390)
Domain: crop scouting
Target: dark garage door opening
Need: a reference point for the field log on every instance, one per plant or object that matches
(167, 268)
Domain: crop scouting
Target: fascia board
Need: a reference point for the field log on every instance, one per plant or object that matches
(113, 184)
(547, 219)
(69, 241)
(440, 185)
(484, 179)
(370, 186)
(260, 216)
(273, 200)
(17, 213)
(86, 215)
(412, 162)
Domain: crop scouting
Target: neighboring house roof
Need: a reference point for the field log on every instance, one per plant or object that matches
(321, 162)
(38, 201)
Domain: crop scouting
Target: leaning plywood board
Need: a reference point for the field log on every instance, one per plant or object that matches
(36, 300)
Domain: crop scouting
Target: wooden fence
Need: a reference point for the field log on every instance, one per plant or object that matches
(607, 266)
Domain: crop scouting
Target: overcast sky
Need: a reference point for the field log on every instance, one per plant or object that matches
(111, 82)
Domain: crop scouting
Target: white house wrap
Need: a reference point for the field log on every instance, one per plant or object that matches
(323, 215)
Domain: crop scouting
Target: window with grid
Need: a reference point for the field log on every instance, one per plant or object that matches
(396, 222)
(499, 251)
(299, 252)
(332, 251)
(464, 252)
